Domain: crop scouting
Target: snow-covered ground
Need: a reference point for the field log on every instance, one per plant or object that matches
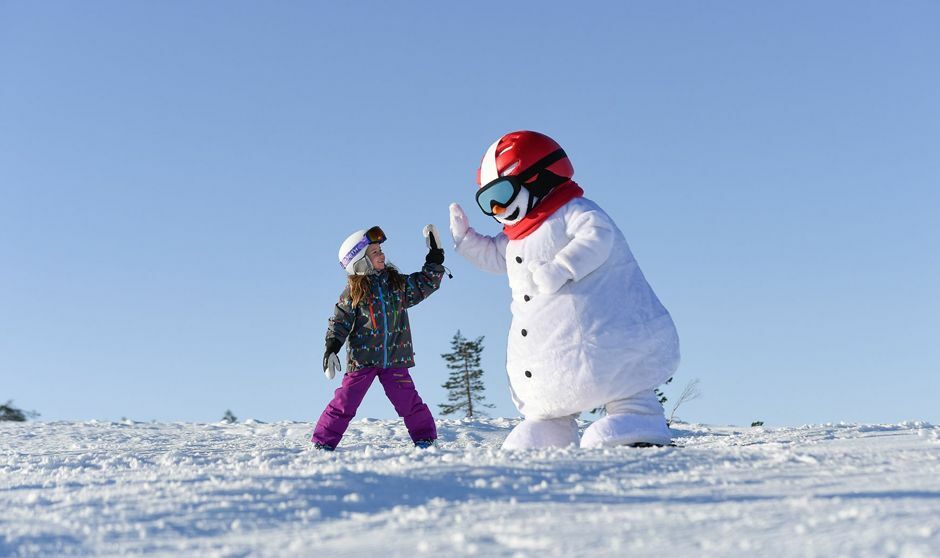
(251, 489)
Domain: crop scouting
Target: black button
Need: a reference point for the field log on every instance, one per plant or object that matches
(528, 374)
(524, 333)
(527, 298)
(518, 259)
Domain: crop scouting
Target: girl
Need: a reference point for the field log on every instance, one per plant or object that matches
(372, 314)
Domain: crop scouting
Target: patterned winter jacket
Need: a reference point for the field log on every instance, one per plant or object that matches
(377, 329)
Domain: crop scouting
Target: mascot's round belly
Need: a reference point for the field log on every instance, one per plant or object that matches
(596, 340)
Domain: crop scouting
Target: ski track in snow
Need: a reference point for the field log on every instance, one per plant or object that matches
(254, 489)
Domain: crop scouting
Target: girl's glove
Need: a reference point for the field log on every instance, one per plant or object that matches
(433, 240)
(459, 225)
(550, 276)
(331, 363)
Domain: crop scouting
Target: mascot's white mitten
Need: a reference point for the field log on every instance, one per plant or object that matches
(550, 276)
(459, 224)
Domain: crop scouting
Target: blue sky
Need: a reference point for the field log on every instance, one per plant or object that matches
(176, 177)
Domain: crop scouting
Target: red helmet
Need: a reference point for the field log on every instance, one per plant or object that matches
(517, 152)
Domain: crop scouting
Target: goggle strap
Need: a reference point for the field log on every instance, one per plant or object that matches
(542, 164)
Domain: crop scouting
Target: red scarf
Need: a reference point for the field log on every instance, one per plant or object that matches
(554, 200)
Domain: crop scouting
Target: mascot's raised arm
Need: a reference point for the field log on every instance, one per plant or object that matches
(587, 330)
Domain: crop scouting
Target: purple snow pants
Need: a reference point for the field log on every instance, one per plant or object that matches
(400, 390)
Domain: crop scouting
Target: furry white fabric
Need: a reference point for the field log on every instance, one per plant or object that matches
(535, 433)
(601, 337)
(549, 277)
(616, 430)
(636, 419)
(458, 223)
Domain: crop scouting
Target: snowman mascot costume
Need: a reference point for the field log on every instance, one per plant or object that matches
(587, 330)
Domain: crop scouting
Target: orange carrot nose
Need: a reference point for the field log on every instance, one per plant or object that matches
(498, 210)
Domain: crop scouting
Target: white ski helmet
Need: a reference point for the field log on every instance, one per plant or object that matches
(352, 252)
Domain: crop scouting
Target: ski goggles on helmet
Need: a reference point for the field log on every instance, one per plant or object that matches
(503, 191)
(375, 235)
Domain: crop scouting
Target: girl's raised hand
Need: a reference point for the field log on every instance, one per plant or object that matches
(431, 237)
(433, 240)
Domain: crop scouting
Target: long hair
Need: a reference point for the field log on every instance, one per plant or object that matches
(359, 284)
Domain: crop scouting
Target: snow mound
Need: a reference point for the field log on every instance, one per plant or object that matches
(119, 488)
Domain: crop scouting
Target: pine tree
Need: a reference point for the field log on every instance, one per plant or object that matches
(465, 384)
(10, 413)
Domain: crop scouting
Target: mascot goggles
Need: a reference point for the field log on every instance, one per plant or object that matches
(375, 235)
(502, 191)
